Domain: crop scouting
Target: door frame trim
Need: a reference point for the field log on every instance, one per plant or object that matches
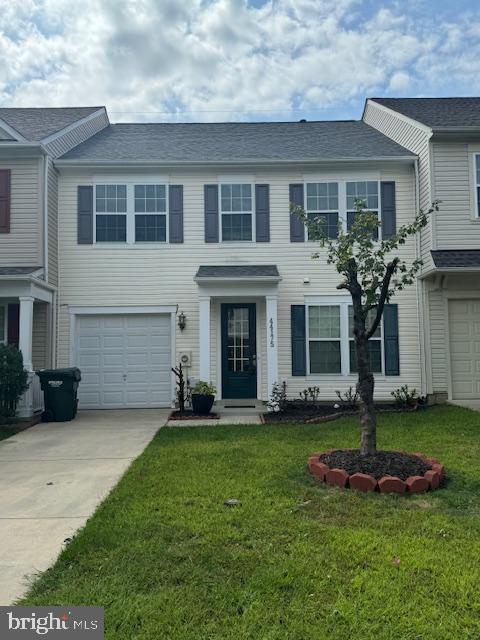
(171, 310)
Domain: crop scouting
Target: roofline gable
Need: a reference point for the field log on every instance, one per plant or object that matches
(13, 132)
(74, 125)
(398, 114)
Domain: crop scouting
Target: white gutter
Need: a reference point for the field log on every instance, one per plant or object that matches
(249, 162)
(420, 297)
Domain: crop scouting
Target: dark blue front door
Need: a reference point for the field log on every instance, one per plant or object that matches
(239, 351)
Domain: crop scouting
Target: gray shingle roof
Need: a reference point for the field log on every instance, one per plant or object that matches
(437, 112)
(232, 141)
(35, 124)
(238, 271)
(17, 271)
(456, 258)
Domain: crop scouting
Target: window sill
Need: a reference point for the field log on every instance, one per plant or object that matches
(124, 245)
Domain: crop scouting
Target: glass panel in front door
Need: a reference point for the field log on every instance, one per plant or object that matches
(238, 340)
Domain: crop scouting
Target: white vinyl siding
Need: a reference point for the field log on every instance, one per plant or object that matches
(133, 275)
(457, 222)
(23, 246)
(40, 341)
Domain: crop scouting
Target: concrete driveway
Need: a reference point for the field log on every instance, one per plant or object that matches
(53, 476)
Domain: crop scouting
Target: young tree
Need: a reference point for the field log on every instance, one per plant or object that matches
(372, 274)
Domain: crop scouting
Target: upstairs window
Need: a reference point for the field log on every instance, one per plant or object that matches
(236, 211)
(111, 213)
(322, 204)
(367, 192)
(150, 213)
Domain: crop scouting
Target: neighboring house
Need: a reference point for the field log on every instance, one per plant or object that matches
(156, 220)
(30, 140)
(445, 135)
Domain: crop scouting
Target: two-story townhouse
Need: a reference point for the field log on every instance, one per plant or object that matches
(445, 134)
(177, 239)
(30, 140)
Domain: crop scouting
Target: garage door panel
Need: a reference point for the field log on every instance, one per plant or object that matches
(125, 360)
(464, 330)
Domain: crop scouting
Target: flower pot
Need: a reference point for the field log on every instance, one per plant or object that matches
(202, 404)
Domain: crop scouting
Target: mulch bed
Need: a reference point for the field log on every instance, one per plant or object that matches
(299, 412)
(189, 415)
(384, 463)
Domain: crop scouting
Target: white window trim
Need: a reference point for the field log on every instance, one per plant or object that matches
(343, 302)
(342, 200)
(220, 212)
(4, 306)
(130, 213)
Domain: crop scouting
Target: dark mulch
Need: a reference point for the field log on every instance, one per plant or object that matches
(296, 412)
(384, 463)
(189, 415)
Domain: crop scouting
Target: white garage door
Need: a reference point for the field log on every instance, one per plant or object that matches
(464, 328)
(125, 361)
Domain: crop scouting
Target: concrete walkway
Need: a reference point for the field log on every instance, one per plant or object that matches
(53, 476)
(468, 404)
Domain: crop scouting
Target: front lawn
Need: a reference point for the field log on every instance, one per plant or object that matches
(296, 561)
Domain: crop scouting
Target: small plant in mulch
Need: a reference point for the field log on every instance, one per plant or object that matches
(405, 398)
(349, 399)
(310, 395)
(278, 398)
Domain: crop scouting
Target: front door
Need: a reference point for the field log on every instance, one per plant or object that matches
(239, 351)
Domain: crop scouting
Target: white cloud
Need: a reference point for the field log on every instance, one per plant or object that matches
(222, 59)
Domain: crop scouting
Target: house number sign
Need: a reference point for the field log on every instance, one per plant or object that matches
(272, 341)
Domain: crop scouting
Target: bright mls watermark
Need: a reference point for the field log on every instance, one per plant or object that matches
(24, 623)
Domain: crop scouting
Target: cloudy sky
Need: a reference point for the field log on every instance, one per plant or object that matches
(208, 60)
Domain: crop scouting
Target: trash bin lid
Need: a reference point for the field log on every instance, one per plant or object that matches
(60, 374)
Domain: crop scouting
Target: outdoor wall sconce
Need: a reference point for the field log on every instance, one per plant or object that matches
(182, 321)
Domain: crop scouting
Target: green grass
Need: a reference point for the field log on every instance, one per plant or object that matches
(297, 561)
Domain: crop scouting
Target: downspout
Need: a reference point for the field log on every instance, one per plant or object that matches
(420, 292)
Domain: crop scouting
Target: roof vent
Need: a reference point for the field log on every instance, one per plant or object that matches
(302, 120)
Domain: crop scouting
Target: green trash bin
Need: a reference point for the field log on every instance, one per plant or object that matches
(60, 387)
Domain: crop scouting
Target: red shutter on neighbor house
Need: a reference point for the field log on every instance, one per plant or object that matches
(4, 200)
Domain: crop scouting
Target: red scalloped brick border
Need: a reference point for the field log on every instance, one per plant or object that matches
(431, 479)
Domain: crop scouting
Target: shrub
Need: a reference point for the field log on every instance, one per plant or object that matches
(310, 395)
(404, 397)
(349, 399)
(203, 388)
(13, 379)
(278, 397)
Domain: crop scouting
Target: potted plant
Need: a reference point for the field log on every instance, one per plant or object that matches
(203, 396)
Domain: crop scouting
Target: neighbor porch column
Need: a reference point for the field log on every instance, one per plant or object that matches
(26, 330)
(204, 336)
(272, 341)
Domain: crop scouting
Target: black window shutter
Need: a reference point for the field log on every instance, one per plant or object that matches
(4, 200)
(262, 212)
(85, 215)
(299, 340)
(211, 212)
(389, 215)
(175, 213)
(297, 228)
(390, 340)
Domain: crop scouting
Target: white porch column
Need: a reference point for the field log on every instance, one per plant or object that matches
(272, 341)
(204, 310)
(26, 330)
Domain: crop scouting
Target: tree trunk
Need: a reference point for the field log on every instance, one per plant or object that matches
(366, 382)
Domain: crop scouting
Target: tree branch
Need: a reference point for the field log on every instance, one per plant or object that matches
(389, 271)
